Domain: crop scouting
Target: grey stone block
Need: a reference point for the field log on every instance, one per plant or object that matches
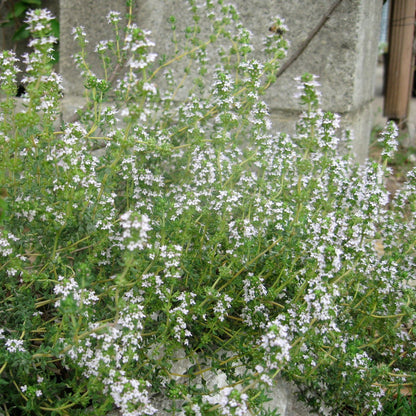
(343, 54)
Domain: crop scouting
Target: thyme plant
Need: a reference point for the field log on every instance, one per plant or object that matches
(174, 255)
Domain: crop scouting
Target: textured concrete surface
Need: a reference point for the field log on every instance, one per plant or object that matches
(92, 15)
(343, 54)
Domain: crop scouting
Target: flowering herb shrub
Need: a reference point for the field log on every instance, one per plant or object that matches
(198, 255)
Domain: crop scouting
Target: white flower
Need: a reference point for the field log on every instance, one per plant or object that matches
(388, 137)
(15, 345)
(276, 344)
(135, 230)
(113, 17)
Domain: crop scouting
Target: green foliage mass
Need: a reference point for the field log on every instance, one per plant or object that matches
(168, 249)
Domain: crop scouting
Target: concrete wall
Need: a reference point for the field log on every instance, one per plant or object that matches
(343, 54)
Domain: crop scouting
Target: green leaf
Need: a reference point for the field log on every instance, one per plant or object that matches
(21, 33)
(55, 28)
(31, 2)
(55, 56)
(3, 210)
(19, 9)
(7, 22)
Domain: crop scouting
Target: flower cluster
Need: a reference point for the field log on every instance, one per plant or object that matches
(8, 72)
(230, 402)
(388, 138)
(134, 236)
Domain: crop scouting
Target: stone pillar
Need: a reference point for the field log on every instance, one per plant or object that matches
(343, 54)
